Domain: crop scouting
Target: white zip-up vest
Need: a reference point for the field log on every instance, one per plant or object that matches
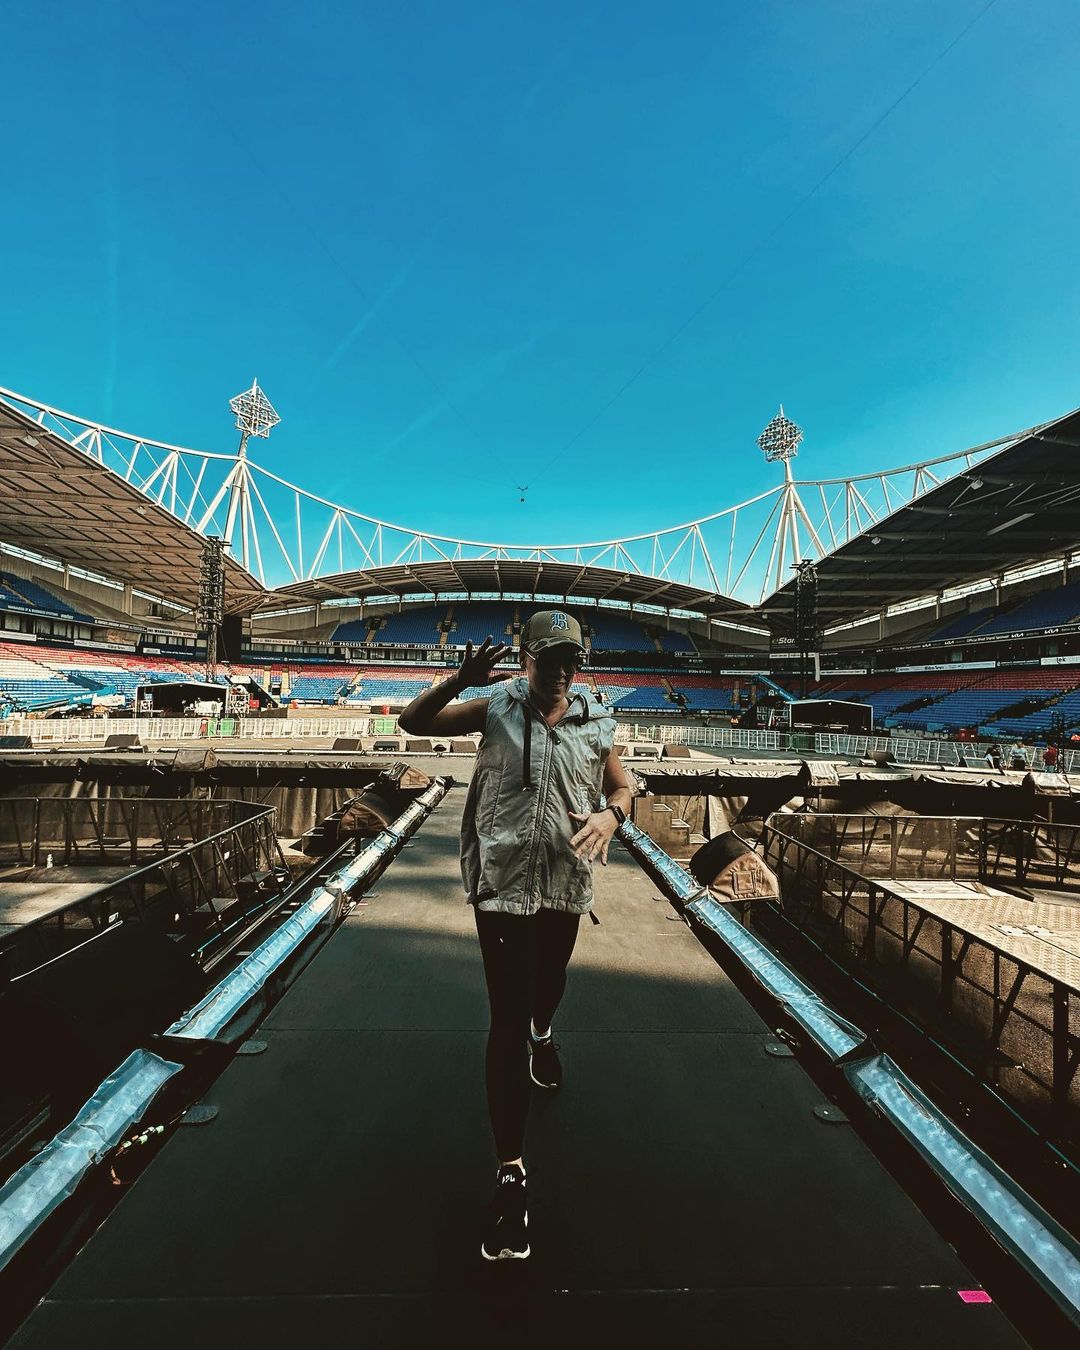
(516, 826)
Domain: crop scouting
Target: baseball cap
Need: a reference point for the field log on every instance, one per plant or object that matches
(551, 628)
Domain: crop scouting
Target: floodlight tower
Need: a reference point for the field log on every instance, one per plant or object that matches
(255, 416)
(780, 442)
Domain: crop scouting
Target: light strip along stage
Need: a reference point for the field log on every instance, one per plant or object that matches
(685, 1180)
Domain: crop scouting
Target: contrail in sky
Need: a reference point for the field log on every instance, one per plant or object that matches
(375, 309)
(482, 373)
(111, 224)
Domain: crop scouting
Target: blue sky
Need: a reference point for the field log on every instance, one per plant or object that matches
(444, 237)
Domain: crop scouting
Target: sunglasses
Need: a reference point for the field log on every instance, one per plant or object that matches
(565, 658)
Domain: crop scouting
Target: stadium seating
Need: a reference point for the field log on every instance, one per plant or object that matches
(18, 593)
(315, 688)
(644, 699)
(982, 699)
(709, 700)
(27, 684)
(610, 631)
(672, 640)
(373, 690)
(9, 600)
(1064, 711)
(961, 625)
(412, 628)
(356, 630)
(1047, 609)
(473, 622)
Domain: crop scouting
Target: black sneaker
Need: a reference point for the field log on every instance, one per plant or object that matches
(507, 1236)
(544, 1067)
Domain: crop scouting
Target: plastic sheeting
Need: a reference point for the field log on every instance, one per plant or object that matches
(41, 1185)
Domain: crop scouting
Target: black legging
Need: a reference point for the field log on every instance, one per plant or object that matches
(525, 960)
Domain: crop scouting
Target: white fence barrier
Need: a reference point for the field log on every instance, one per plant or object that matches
(96, 730)
(906, 750)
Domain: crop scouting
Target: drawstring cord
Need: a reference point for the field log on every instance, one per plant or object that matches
(526, 765)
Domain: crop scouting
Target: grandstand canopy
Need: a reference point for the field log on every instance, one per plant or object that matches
(1019, 506)
(497, 576)
(58, 501)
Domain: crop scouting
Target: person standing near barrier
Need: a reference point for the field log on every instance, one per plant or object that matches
(1050, 758)
(532, 826)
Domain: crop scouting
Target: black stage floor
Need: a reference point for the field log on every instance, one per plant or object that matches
(680, 1184)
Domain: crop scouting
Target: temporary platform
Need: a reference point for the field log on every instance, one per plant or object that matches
(690, 1179)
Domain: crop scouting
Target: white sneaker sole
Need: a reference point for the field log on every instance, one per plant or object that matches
(505, 1255)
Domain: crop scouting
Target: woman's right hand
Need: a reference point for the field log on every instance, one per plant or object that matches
(478, 668)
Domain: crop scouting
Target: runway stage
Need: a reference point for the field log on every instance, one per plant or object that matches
(680, 1183)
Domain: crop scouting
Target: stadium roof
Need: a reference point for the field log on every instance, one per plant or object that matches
(1019, 506)
(495, 576)
(112, 504)
(58, 501)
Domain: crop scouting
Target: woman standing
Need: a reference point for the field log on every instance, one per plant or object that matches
(532, 825)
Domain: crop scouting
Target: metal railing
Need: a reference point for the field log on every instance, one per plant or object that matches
(1014, 1019)
(50, 831)
(219, 867)
(980, 848)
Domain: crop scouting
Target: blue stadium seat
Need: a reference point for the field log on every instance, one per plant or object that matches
(1047, 609)
(412, 627)
(394, 690)
(473, 622)
(315, 688)
(674, 641)
(960, 626)
(611, 632)
(356, 630)
(32, 694)
(18, 593)
(651, 698)
(709, 700)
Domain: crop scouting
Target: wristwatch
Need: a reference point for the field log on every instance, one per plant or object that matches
(618, 812)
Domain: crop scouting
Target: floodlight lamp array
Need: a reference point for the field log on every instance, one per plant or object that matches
(255, 415)
(780, 439)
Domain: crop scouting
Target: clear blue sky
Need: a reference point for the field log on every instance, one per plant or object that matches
(443, 236)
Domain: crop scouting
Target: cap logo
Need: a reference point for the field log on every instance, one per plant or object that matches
(559, 622)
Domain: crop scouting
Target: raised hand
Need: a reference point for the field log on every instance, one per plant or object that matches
(478, 668)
